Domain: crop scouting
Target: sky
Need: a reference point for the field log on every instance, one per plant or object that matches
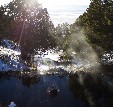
(62, 11)
(56, 2)
(64, 2)
(4, 2)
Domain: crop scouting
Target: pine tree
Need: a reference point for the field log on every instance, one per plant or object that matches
(98, 23)
(29, 25)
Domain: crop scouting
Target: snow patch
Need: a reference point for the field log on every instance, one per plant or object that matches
(10, 57)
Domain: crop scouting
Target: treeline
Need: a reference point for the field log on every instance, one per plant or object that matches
(28, 24)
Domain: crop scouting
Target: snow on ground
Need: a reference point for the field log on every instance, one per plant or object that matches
(107, 58)
(10, 45)
(6, 51)
(10, 59)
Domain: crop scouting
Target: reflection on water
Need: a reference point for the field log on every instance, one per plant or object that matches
(79, 89)
(30, 81)
(95, 90)
(85, 87)
(33, 93)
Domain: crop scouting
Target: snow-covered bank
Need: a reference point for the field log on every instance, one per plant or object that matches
(10, 59)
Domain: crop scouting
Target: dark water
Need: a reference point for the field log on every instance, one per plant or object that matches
(77, 90)
(34, 94)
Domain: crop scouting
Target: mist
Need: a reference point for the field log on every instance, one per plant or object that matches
(83, 54)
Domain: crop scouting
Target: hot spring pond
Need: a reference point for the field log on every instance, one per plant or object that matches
(77, 90)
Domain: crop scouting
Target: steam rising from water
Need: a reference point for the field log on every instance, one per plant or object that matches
(84, 57)
(83, 54)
